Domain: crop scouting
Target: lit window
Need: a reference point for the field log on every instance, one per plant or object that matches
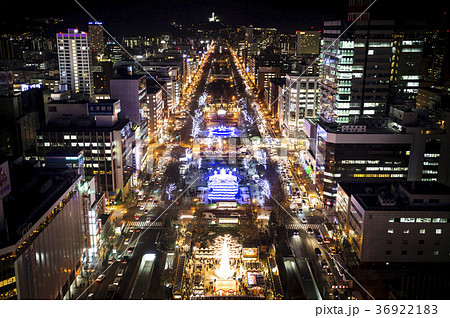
(438, 231)
(406, 231)
(436, 253)
(391, 231)
(422, 231)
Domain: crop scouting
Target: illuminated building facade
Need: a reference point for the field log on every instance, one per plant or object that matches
(396, 222)
(308, 42)
(75, 62)
(301, 100)
(97, 40)
(355, 69)
(41, 249)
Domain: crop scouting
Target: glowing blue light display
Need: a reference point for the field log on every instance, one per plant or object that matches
(223, 185)
(222, 132)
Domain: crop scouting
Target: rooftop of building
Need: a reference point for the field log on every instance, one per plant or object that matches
(336, 128)
(395, 195)
(34, 190)
(85, 125)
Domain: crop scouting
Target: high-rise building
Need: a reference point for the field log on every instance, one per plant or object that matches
(355, 69)
(75, 62)
(308, 42)
(302, 97)
(97, 40)
(406, 67)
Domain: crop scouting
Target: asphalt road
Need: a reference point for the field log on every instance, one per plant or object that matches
(145, 244)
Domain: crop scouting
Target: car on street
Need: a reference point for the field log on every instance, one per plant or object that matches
(100, 278)
(304, 220)
(120, 272)
(90, 296)
(295, 232)
(126, 241)
(329, 272)
(130, 250)
(309, 231)
(318, 251)
(324, 264)
(117, 281)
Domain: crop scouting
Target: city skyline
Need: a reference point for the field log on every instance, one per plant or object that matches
(152, 18)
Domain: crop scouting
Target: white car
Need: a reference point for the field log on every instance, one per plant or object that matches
(100, 278)
(304, 220)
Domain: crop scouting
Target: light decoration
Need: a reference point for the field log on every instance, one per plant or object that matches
(197, 120)
(225, 248)
(169, 190)
(222, 131)
(265, 187)
(223, 185)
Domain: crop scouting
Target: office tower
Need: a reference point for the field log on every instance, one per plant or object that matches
(355, 69)
(406, 66)
(308, 42)
(97, 40)
(394, 221)
(302, 97)
(355, 9)
(400, 147)
(107, 141)
(75, 62)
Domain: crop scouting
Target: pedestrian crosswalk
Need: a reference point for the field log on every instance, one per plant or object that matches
(143, 225)
(298, 226)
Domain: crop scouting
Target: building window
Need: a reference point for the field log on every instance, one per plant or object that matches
(406, 231)
(388, 252)
(405, 242)
(419, 252)
(390, 231)
(389, 242)
(438, 231)
(436, 253)
(421, 242)
(404, 252)
(422, 231)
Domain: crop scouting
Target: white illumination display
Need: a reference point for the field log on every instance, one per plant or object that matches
(223, 185)
(169, 190)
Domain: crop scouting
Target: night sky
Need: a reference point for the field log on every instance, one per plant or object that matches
(132, 17)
